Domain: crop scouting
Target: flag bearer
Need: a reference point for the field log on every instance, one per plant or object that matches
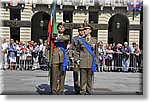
(59, 60)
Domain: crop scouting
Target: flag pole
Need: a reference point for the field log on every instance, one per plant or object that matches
(52, 33)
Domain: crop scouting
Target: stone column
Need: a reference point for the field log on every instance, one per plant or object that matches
(26, 15)
(59, 17)
(79, 17)
(134, 34)
(103, 34)
(25, 34)
(5, 31)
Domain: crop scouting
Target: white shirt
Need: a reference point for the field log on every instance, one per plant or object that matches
(4, 46)
(41, 47)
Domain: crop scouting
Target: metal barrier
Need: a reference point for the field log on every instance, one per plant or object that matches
(115, 64)
(117, 58)
(25, 62)
(28, 61)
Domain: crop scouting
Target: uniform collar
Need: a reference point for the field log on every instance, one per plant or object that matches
(60, 34)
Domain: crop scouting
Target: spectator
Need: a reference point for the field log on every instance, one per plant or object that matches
(109, 58)
(133, 47)
(126, 50)
(29, 57)
(35, 56)
(18, 53)
(23, 56)
(12, 53)
(41, 52)
(117, 57)
(111, 45)
(44, 56)
(137, 52)
(4, 53)
(106, 46)
(101, 54)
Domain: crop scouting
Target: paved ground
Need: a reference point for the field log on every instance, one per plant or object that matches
(36, 82)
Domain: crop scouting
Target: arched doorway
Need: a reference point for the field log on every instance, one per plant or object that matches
(118, 31)
(39, 26)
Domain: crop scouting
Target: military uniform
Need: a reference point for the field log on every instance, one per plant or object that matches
(86, 74)
(58, 75)
(76, 55)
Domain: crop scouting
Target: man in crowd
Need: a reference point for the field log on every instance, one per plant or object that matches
(126, 50)
(12, 53)
(59, 60)
(4, 53)
(135, 50)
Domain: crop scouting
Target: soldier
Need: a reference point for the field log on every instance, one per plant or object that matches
(75, 48)
(59, 61)
(88, 51)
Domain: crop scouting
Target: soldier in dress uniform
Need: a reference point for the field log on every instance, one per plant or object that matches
(88, 60)
(75, 56)
(59, 60)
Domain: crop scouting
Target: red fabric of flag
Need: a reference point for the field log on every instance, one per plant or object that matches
(49, 32)
(50, 35)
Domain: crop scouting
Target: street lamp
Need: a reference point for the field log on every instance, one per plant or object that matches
(41, 23)
(118, 24)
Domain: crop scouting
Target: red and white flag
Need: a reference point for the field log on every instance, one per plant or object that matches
(13, 2)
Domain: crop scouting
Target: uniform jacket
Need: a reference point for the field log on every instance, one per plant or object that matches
(75, 47)
(85, 57)
(58, 56)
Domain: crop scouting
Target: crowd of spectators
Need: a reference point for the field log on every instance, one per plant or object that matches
(23, 56)
(31, 55)
(119, 56)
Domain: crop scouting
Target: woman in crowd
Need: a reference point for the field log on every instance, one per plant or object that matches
(29, 57)
(117, 57)
(109, 57)
(35, 54)
(101, 54)
(23, 56)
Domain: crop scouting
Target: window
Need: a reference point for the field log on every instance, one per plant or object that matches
(67, 16)
(15, 33)
(93, 17)
(15, 14)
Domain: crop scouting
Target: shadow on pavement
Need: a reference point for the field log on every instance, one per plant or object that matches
(44, 89)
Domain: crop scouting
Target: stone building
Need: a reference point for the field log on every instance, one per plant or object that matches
(112, 20)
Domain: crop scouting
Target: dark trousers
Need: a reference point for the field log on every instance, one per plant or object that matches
(58, 79)
(86, 81)
(76, 79)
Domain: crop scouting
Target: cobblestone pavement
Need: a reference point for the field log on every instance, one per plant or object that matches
(36, 82)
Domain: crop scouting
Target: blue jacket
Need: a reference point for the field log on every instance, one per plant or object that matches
(126, 50)
(12, 50)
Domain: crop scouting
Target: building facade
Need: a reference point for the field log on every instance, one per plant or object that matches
(111, 19)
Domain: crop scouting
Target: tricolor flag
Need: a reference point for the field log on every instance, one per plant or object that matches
(52, 27)
(49, 31)
(134, 4)
(14, 2)
(52, 31)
